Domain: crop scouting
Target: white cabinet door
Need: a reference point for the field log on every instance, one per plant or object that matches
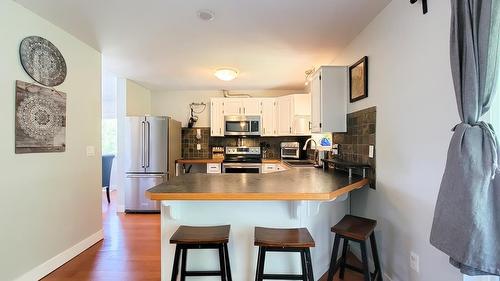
(302, 104)
(329, 90)
(250, 106)
(301, 115)
(316, 103)
(216, 118)
(284, 114)
(232, 106)
(268, 117)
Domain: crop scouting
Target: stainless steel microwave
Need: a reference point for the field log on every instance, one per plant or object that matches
(241, 125)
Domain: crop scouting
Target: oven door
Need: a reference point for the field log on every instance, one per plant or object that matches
(242, 168)
(290, 152)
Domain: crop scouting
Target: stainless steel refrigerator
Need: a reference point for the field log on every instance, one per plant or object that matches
(152, 144)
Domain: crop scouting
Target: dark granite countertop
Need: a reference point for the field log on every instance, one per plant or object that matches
(292, 184)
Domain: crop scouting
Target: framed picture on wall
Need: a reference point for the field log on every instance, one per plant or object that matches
(358, 80)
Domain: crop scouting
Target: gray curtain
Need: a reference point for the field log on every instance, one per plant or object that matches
(467, 215)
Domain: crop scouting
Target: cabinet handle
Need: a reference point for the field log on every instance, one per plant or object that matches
(310, 125)
(239, 110)
(290, 130)
(244, 110)
(220, 130)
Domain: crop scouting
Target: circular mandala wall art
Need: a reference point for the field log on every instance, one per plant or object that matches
(39, 117)
(42, 61)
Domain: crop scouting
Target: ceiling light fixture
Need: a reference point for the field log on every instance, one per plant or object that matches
(226, 74)
(206, 15)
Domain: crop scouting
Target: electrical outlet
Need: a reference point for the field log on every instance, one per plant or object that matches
(371, 151)
(414, 262)
(198, 146)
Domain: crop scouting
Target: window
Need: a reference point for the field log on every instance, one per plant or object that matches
(109, 137)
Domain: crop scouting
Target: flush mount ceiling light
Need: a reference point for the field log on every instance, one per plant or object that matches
(226, 74)
(206, 15)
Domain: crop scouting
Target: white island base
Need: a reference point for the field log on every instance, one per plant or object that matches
(243, 216)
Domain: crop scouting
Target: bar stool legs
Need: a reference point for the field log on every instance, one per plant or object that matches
(308, 260)
(341, 264)
(305, 256)
(343, 261)
(333, 260)
(228, 266)
(175, 269)
(181, 252)
(358, 230)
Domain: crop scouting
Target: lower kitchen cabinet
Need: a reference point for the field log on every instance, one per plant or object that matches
(214, 168)
(271, 168)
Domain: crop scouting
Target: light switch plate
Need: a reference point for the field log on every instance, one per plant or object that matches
(414, 262)
(371, 151)
(90, 151)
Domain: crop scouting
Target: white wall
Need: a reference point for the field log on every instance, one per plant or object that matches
(410, 83)
(51, 201)
(138, 99)
(176, 103)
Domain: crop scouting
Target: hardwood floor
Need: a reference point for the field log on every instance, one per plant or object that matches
(130, 251)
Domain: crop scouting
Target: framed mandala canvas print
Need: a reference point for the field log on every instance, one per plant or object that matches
(40, 119)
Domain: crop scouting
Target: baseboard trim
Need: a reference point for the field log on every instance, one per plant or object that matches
(52, 264)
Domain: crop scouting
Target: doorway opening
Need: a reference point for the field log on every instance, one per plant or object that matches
(109, 136)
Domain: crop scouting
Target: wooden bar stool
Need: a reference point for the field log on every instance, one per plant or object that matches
(356, 229)
(191, 237)
(284, 240)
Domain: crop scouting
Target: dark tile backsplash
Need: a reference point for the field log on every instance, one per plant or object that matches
(189, 142)
(354, 145)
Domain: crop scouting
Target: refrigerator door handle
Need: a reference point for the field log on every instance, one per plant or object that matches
(148, 144)
(143, 150)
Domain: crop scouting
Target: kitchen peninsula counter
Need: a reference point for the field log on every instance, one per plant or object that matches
(296, 197)
(292, 184)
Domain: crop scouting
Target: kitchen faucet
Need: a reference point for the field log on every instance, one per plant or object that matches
(316, 152)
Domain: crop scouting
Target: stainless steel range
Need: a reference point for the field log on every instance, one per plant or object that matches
(242, 160)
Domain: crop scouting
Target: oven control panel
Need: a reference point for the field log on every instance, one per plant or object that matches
(242, 150)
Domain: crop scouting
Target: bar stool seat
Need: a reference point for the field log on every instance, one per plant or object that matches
(356, 228)
(207, 234)
(196, 237)
(284, 240)
(359, 230)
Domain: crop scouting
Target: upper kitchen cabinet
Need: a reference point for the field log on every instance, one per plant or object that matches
(241, 106)
(301, 114)
(284, 115)
(216, 118)
(329, 88)
(293, 115)
(268, 117)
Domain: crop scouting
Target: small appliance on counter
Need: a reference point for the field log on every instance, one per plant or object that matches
(218, 152)
(290, 150)
(242, 160)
